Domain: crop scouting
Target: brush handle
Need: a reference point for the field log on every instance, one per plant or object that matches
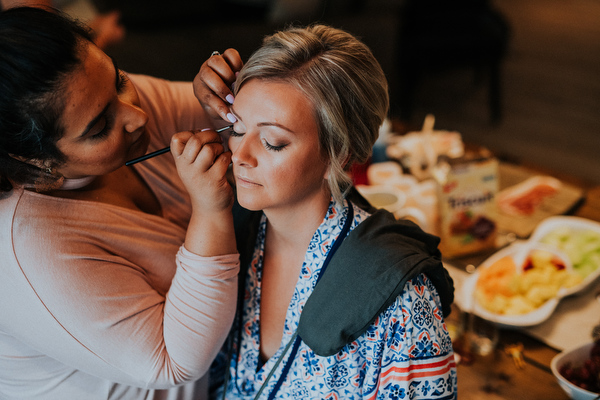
(149, 155)
(165, 150)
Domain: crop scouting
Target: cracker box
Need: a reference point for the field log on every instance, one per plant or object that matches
(467, 204)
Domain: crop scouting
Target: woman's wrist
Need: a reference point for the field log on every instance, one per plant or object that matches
(211, 233)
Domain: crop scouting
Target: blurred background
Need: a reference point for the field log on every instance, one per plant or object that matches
(520, 77)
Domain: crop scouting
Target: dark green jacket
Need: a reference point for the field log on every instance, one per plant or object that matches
(366, 275)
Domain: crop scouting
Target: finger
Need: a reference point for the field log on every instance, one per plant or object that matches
(178, 142)
(181, 140)
(200, 141)
(212, 93)
(208, 136)
(221, 67)
(233, 59)
(221, 164)
(205, 158)
(217, 107)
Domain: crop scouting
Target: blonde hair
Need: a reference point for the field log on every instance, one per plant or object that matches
(341, 78)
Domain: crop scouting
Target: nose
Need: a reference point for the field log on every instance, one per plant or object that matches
(134, 118)
(242, 151)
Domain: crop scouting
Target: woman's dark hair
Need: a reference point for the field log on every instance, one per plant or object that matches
(38, 48)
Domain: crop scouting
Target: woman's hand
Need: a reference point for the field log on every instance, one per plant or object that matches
(213, 83)
(202, 165)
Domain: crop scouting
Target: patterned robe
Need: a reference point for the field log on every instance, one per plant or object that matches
(405, 353)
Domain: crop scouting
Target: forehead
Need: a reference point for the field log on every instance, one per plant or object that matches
(87, 89)
(278, 98)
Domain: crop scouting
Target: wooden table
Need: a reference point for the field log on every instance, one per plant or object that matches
(496, 376)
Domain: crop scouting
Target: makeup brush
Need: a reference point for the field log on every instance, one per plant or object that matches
(166, 149)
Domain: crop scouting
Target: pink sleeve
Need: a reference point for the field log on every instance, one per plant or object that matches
(199, 291)
(112, 293)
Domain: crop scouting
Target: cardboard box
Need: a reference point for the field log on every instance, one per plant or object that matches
(467, 203)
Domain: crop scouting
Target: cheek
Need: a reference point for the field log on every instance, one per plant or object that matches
(304, 172)
(104, 151)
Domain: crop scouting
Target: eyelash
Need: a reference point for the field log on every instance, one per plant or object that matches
(107, 128)
(273, 148)
(123, 79)
(267, 145)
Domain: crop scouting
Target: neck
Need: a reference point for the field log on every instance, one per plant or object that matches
(296, 225)
(76, 183)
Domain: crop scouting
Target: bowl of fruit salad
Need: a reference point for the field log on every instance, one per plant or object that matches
(521, 285)
(578, 371)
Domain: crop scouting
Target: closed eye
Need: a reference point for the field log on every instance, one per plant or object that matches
(267, 145)
(108, 125)
(271, 147)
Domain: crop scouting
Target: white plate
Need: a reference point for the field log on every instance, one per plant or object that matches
(517, 250)
(535, 317)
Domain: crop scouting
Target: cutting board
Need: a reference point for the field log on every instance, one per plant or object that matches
(564, 201)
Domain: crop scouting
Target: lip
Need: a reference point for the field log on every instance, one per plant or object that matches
(245, 182)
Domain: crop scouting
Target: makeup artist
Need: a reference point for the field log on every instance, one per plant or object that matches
(115, 281)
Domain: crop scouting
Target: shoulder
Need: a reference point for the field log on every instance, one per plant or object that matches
(380, 255)
(157, 93)
(146, 84)
(415, 319)
(171, 105)
(410, 336)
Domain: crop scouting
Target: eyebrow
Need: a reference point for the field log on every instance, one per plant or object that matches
(285, 128)
(97, 118)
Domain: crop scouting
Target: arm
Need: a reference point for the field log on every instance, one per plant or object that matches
(108, 298)
(202, 165)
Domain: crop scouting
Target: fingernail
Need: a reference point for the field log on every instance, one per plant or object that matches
(237, 73)
(229, 98)
(231, 118)
(205, 129)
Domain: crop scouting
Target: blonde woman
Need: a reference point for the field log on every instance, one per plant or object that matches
(337, 301)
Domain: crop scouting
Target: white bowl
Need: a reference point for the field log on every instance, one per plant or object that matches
(576, 357)
(383, 196)
(381, 173)
(567, 222)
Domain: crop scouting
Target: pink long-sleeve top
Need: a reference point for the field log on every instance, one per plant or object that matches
(103, 302)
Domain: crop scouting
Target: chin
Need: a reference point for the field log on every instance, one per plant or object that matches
(249, 205)
(248, 202)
